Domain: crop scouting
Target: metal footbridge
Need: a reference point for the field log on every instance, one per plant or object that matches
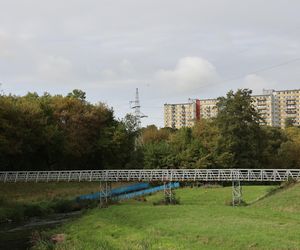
(153, 175)
(167, 176)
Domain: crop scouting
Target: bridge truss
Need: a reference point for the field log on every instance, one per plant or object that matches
(105, 177)
(153, 175)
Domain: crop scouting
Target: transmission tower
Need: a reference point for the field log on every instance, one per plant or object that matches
(137, 108)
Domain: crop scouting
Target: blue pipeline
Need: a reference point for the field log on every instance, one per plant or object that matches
(116, 191)
(146, 191)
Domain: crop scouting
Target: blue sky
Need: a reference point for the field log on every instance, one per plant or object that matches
(170, 50)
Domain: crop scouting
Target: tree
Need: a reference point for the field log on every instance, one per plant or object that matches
(289, 151)
(273, 139)
(152, 134)
(240, 142)
(57, 132)
(158, 155)
(78, 94)
(205, 136)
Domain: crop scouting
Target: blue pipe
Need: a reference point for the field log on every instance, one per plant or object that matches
(145, 192)
(115, 191)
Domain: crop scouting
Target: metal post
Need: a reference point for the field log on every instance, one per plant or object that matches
(105, 193)
(168, 192)
(236, 192)
(37, 177)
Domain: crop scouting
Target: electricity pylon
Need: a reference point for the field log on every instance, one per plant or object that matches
(137, 109)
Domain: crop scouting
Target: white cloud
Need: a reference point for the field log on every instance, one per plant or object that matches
(108, 74)
(122, 72)
(257, 83)
(5, 48)
(55, 68)
(99, 46)
(126, 67)
(189, 74)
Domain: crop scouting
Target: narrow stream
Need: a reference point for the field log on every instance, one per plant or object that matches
(17, 236)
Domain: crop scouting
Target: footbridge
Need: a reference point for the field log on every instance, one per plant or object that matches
(152, 175)
(106, 177)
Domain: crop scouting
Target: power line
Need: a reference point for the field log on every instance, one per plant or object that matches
(261, 70)
(243, 75)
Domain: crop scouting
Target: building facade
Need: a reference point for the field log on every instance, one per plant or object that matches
(274, 107)
(180, 115)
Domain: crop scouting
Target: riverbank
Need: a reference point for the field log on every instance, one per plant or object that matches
(23, 235)
(202, 220)
(20, 201)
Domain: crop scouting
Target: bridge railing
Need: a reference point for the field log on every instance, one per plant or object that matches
(148, 175)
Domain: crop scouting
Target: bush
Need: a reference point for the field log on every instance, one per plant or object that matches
(64, 206)
(32, 210)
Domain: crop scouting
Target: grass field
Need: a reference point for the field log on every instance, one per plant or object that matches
(19, 201)
(201, 221)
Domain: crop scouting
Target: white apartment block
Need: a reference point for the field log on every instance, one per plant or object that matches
(274, 107)
(287, 104)
(179, 115)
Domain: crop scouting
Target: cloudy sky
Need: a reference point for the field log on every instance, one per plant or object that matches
(171, 50)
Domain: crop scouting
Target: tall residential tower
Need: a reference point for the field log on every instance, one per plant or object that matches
(274, 106)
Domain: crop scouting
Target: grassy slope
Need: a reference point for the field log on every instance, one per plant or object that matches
(202, 221)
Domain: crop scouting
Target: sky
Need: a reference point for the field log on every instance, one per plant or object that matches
(171, 50)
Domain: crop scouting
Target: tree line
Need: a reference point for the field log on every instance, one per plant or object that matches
(61, 132)
(234, 139)
(51, 132)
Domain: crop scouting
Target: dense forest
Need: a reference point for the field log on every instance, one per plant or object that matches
(62, 132)
(67, 132)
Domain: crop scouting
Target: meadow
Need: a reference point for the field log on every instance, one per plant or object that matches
(202, 220)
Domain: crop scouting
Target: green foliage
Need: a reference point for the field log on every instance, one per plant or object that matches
(158, 155)
(239, 145)
(234, 139)
(78, 94)
(57, 132)
(289, 151)
(67, 132)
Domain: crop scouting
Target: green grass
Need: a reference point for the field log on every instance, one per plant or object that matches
(34, 192)
(19, 201)
(201, 221)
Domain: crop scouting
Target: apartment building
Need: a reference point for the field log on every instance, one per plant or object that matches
(180, 115)
(185, 114)
(265, 104)
(208, 108)
(287, 106)
(274, 106)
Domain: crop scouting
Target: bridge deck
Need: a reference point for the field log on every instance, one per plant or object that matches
(149, 175)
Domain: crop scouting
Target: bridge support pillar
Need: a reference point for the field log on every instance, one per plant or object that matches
(168, 192)
(105, 193)
(236, 193)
